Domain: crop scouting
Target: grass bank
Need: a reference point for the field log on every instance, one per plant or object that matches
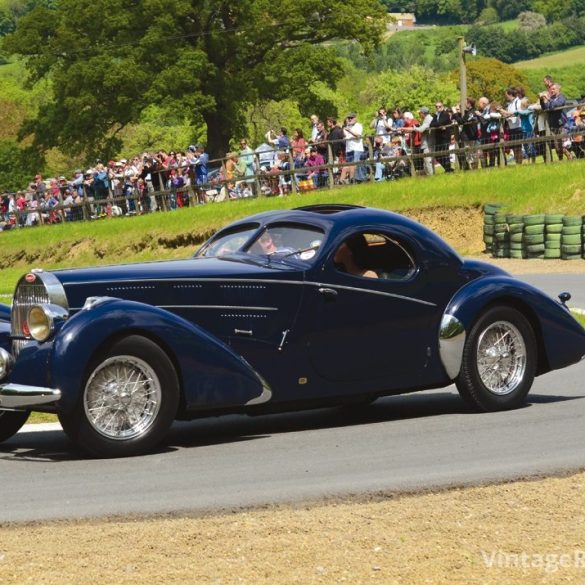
(527, 189)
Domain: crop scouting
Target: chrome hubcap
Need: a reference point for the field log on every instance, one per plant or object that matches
(501, 358)
(122, 397)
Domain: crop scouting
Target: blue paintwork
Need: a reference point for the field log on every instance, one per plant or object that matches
(226, 321)
(4, 312)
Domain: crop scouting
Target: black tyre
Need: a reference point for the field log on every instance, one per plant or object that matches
(499, 361)
(11, 422)
(128, 400)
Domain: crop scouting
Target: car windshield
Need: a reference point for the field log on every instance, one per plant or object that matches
(227, 243)
(286, 242)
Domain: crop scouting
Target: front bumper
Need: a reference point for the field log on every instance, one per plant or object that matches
(19, 396)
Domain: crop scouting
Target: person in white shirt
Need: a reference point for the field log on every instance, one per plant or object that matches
(510, 114)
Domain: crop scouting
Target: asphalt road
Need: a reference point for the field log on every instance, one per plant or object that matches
(400, 443)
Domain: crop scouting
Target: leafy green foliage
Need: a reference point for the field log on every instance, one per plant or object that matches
(17, 165)
(110, 59)
(490, 77)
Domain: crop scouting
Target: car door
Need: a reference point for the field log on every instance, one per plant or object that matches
(373, 329)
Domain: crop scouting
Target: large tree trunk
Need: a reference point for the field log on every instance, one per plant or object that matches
(219, 133)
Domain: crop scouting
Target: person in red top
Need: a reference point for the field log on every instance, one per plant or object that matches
(298, 143)
(413, 140)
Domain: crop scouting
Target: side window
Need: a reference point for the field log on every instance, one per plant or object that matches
(374, 255)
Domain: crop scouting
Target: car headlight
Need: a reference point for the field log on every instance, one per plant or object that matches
(42, 320)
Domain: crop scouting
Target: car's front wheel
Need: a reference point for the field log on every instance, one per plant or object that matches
(11, 422)
(128, 402)
(499, 360)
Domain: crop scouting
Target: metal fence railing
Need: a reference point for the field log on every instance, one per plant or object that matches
(156, 191)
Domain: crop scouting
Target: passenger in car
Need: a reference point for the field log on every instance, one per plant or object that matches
(352, 257)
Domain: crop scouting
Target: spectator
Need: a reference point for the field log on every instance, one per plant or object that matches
(335, 140)
(468, 134)
(527, 123)
(281, 141)
(513, 122)
(397, 119)
(320, 140)
(200, 161)
(426, 139)
(314, 163)
(314, 126)
(246, 167)
(493, 130)
(552, 102)
(483, 117)
(441, 128)
(298, 143)
(266, 155)
(381, 125)
(412, 139)
(354, 149)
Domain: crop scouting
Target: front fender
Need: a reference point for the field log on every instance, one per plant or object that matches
(560, 338)
(210, 373)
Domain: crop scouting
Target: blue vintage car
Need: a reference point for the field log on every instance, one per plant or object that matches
(320, 305)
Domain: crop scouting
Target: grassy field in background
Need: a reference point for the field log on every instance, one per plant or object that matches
(558, 188)
(565, 58)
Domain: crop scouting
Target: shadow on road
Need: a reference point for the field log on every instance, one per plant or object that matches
(54, 446)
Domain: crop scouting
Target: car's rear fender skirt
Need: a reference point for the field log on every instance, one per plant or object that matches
(560, 338)
(210, 373)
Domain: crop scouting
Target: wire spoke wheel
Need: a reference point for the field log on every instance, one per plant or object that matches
(499, 360)
(501, 357)
(122, 397)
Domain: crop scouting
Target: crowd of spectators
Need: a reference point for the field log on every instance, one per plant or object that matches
(486, 133)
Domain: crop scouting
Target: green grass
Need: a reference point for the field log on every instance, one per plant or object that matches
(556, 60)
(558, 188)
(579, 317)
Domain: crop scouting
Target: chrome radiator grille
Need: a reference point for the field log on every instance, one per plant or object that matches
(43, 288)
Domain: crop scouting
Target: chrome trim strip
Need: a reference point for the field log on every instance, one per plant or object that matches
(271, 281)
(20, 396)
(55, 289)
(373, 292)
(223, 307)
(451, 343)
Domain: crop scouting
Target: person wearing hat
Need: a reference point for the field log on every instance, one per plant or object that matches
(426, 142)
(198, 162)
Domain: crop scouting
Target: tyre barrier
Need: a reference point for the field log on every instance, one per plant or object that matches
(550, 235)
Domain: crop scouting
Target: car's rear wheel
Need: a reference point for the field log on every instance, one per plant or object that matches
(499, 361)
(11, 422)
(129, 400)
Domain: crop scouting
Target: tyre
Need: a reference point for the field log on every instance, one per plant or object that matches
(533, 219)
(534, 229)
(11, 422)
(571, 230)
(499, 360)
(128, 400)
(554, 228)
(572, 220)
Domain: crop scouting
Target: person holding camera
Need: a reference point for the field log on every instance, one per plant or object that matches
(381, 124)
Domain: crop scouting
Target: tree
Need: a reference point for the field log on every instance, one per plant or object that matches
(531, 20)
(490, 78)
(110, 59)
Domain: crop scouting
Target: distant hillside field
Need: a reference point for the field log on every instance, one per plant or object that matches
(566, 58)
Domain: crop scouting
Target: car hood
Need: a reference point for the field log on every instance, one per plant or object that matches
(233, 267)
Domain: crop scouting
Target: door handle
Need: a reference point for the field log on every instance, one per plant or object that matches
(328, 293)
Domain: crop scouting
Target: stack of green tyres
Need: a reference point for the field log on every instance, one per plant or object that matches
(572, 237)
(553, 224)
(551, 235)
(516, 235)
(533, 237)
(501, 240)
(489, 220)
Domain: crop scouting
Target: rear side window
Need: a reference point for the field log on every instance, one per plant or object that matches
(374, 255)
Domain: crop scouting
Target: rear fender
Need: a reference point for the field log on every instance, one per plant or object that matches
(210, 373)
(560, 338)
